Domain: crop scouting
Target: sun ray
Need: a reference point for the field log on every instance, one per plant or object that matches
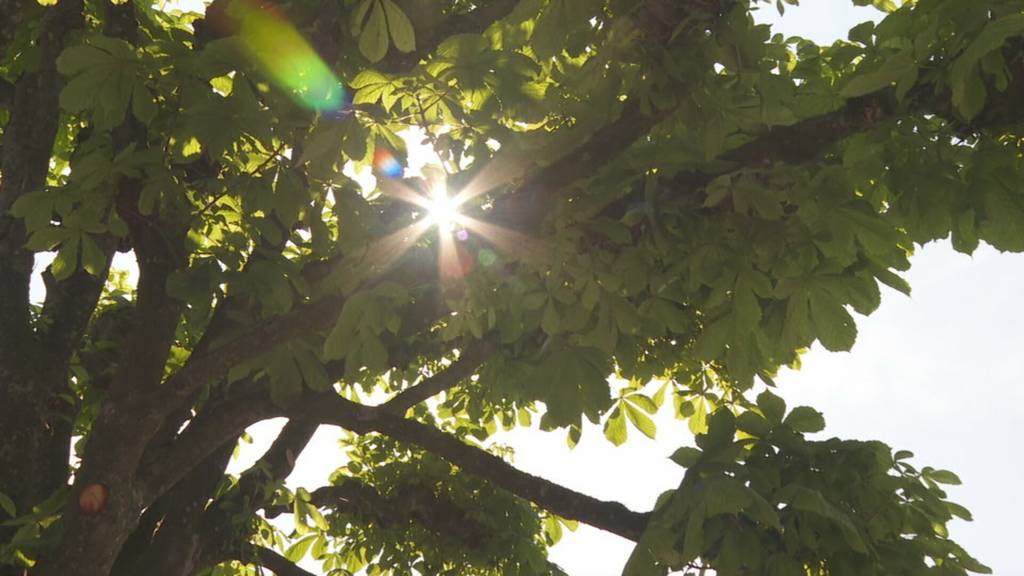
(510, 242)
(376, 257)
(506, 166)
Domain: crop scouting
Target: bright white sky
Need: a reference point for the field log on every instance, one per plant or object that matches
(936, 373)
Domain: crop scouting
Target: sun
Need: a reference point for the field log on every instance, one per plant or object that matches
(442, 210)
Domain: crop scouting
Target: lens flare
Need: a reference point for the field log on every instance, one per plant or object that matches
(386, 163)
(487, 257)
(457, 254)
(283, 54)
(443, 211)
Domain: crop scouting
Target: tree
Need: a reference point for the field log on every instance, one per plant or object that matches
(658, 190)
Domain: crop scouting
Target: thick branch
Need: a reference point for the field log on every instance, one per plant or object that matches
(224, 419)
(220, 535)
(610, 516)
(167, 541)
(314, 316)
(277, 462)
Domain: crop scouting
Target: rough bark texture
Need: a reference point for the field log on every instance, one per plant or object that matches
(35, 425)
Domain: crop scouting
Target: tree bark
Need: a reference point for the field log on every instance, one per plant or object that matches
(35, 424)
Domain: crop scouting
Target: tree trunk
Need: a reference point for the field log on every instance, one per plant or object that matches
(35, 425)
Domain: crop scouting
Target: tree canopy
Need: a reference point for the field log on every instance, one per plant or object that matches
(636, 205)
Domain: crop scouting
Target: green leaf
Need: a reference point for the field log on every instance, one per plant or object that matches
(402, 32)
(902, 455)
(959, 511)
(285, 378)
(143, 105)
(373, 40)
(35, 208)
(836, 328)
(713, 338)
(550, 30)
(644, 403)
(318, 518)
(892, 280)
(641, 421)
(552, 530)
(370, 86)
(615, 428)
(94, 261)
(725, 496)
(550, 322)
(973, 565)
(762, 511)
(942, 477)
(642, 563)
(773, 407)
(298, 550)
(698, 422)
(344, 332)
(686, 456)
(805, 419)
(883, 5)
(312, 370)
(359, 16)
(964, 75)
(892, 69)
(693, 542)
(753, 424)
(66, 261)
(8, 505)
(721, 431)
(625, 314)
(79, 58)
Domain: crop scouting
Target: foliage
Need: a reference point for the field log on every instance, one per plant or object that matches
(661, 203)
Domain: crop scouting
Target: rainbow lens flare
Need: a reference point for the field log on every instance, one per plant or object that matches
(285, 56)
(386, 163)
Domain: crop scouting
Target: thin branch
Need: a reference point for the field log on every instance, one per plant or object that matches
(808, 139)
(408, 503)
(474, 22)
(526, 206)
(256, 340)
(255, 172)
(279, 564)
(470, 359)
(69, 304)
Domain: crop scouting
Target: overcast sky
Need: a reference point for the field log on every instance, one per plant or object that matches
(936, 373)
